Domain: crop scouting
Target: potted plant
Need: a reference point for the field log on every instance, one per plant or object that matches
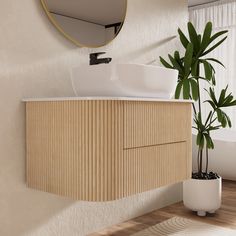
(202, 193)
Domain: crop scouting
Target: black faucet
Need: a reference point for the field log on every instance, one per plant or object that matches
(94, 60)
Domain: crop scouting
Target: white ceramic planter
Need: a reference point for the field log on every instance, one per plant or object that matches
(202, 196)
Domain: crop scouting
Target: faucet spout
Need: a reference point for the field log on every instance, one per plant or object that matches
(94, 60)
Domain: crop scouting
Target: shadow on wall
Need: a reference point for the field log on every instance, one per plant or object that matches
(82, 216)
(134, 55)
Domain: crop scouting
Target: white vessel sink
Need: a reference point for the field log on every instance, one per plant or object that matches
(132, 80)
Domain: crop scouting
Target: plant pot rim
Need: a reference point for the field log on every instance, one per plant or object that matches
(220, 178)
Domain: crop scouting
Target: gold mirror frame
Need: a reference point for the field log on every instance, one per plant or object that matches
(76, 42)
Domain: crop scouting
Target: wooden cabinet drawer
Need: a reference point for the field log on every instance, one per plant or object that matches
(103, 150)
(152, 123)
(151, 167)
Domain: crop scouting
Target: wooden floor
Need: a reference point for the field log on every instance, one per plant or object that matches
(225, 216)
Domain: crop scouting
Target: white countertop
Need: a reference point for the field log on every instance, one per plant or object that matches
(104, 98)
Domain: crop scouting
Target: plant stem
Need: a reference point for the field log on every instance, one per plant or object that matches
(193, 105)
(199, 94)
(198, 165)
(210, 121)
(200, 117)
(207, 159)
(200, 168)
(199, 101)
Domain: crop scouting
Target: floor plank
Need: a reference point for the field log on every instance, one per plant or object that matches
(225, 216)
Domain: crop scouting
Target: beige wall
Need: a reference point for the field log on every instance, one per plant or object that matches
(35, 60)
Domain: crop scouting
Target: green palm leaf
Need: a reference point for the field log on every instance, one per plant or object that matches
(193, 37)
(183, 38)
(188, 58)
(194, 89)
(178, 90)
(165, 63)
(216, 35)
(186, 89)
(215, 46)
(215, 60)
(206, 36)
(208, 70)
(175, 64)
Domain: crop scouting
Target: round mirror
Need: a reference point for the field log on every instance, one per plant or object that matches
(89, 23)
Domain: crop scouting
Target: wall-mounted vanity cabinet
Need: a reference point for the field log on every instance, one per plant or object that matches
(106, 149)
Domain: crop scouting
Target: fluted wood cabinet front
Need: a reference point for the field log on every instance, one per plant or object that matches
(102, 150)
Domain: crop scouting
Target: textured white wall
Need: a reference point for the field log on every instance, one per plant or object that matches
(35, 60)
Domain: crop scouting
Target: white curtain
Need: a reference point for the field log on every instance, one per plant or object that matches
(223, 16)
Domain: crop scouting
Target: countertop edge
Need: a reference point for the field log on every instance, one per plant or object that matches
(105, 98)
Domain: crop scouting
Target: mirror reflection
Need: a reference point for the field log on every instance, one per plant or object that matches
(91, 23)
